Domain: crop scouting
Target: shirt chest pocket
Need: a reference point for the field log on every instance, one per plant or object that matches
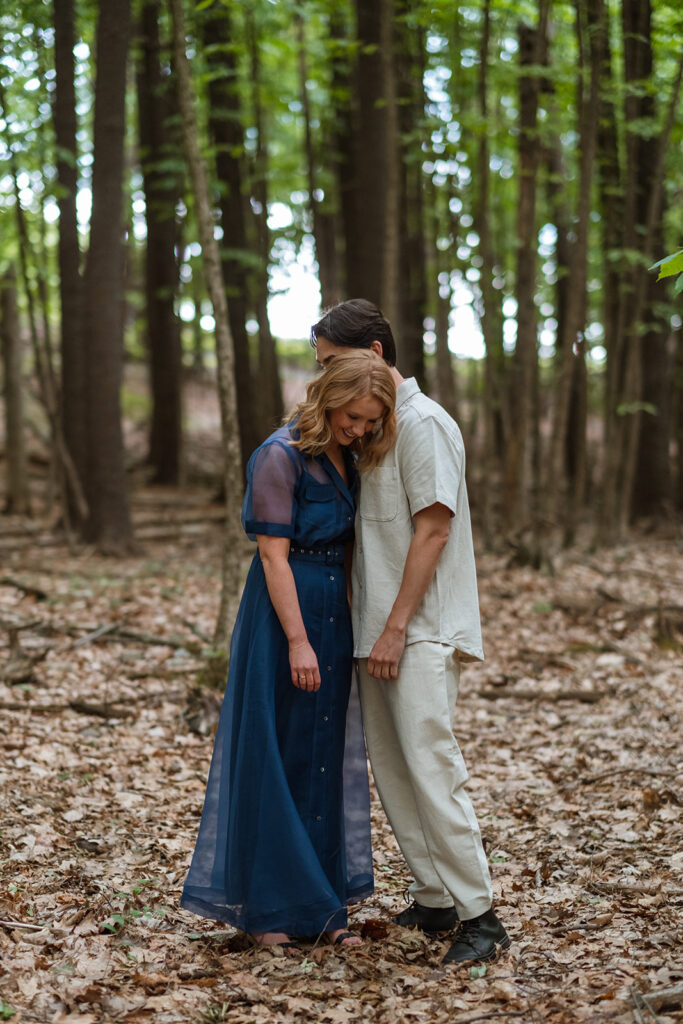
(379, 494)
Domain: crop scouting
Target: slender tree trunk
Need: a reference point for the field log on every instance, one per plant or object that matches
(342, 153)
(322, 222)
(17, 497)
(73, 382)
(162, 190)
(571, 341)
(225, 126)
(227, 392)
(496, 416)
(642, 206)
(270, 390)
(371, 270)
(109, 524)
(412, 295)
(515, 488)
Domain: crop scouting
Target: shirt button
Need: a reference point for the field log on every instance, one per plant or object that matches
(331, 577)
(322, 769)
(324, 718)
(331, 618)
(318, 817)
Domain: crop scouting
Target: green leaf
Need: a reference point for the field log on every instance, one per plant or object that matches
(478, 971)
(6, 1011)
(628, 408)
(670, 265)
(672, 256)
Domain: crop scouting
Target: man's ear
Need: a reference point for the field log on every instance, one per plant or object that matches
(376, 346)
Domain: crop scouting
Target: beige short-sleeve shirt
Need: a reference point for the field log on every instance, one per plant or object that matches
(426, 466)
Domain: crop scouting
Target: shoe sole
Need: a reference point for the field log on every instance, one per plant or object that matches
(498, 951)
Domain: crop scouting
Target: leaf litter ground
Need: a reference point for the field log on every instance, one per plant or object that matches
(571, 730)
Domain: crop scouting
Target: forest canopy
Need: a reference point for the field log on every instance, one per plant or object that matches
(498, 176)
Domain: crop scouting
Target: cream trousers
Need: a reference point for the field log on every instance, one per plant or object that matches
(419, 772)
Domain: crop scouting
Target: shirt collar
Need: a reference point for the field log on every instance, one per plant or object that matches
(406, 389)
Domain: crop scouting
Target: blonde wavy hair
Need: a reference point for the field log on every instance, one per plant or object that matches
(346, 378)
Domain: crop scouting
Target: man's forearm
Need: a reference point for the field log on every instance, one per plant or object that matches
(418, 573)
(432, 527)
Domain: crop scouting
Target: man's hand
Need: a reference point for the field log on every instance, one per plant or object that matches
(386, 654)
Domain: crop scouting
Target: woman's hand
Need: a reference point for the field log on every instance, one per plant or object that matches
(304, 666)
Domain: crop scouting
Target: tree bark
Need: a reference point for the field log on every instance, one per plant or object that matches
(532, 44)
(108, 524)
(225, 126)
(322, 222)
(17, 497)
(590, 33)
(163, 187)
(412, 293)
(642, 206)
(270, 389)
(227, 392)
(496, 416)
(371, 242)
(72, 345)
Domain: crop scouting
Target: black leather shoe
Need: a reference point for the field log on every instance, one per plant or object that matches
(481, 938)
(429, 919)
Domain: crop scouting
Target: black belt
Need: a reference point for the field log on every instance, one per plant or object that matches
(330, 554)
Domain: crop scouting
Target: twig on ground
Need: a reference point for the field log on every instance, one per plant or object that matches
(637, 890)
(9, 581)
(656, 772)
(583, 696)
(664, 998)
(96, 634)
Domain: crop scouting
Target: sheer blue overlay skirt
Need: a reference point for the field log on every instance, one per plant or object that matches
(284, 839)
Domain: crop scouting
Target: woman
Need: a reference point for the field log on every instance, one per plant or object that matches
(284, 841)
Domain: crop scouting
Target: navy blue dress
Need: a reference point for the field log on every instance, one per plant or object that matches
(284, 840)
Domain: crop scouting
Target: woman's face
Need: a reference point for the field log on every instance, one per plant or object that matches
(358, 417)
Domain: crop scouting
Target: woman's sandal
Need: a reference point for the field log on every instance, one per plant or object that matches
(339, 941)
(289, 945)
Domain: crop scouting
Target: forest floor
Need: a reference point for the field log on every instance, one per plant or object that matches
(571, 730)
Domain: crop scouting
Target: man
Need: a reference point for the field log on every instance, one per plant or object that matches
(415, 618)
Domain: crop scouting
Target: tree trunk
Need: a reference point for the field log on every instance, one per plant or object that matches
(371, 267)
(163, 188)
(412, 301)
(496, 416)
(73, 384)
(227, 392)
(532, 45)
(642, 205)
(17, 497)
(225, 126)
(570, 344)
(322, 222)
(109, 524)
(270, 389)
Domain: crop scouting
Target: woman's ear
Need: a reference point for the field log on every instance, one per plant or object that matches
(376, 346)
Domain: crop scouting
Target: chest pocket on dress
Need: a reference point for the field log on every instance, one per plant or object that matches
(379, 494)
(319, 506)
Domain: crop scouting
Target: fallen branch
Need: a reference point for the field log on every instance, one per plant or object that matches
(95, 635)
(664, 998)
(627, 888)
(583, 696)
(639, 1005)
(22, 924)
(82, 707)
(9, 581)
(624, 771)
